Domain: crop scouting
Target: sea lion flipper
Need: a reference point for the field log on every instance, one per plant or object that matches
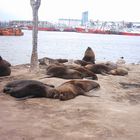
(24, 98)
(89, 94)
(48, 76)
(104, 73)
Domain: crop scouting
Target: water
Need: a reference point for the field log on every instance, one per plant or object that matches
(70, 45)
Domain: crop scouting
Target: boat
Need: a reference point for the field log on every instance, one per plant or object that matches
(89, 30)
(130, 33)
(114, 32)
(53, 28)
(67, 29)
(43, 28)
(9, 31)
(115, 28)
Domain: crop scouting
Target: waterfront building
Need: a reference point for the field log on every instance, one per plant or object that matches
(84, 18)
(69, 22)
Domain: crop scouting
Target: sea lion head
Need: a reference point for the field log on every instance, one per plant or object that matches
(89, 55)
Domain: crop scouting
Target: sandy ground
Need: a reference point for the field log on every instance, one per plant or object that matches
(114, 115)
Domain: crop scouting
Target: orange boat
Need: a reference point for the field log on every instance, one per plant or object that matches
(11, 32)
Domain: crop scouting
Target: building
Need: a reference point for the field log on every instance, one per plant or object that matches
(25, 23)
(84, 18)
(69, 22)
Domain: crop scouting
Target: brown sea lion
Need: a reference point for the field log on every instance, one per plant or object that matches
(98, 68)
(73, 88)
(4, 67)
(85, 72)
(69, 72)
(118, 71)
(62, 71)
(23, 89)
(89, 55)
(47, 61)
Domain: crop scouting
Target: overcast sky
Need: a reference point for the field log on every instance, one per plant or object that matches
(52, 10)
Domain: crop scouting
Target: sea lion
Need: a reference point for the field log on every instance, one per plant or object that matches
(85, 72)
(69, 72)
(47, 61)
(62, 71)
(73, 88)
(23, 89)
(98, 68)
(89, 55)
(81, 62)
(27, 88)
(118, 71)
(4, 67)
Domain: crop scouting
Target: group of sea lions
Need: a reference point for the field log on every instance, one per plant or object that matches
(85, 68)
(82, 68)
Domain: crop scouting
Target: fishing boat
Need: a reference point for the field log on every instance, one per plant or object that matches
(53, 28)
(130, 33)
(43, 28)
(114, 32)
(108, 28)
(9, 31)
(66, 29)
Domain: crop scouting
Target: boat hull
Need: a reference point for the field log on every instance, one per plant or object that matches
(85, 30)
(11, 32)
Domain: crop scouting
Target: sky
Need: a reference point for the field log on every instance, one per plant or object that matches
(52, 10)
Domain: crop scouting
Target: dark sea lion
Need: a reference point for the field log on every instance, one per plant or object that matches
(89, 55)
(23, 89)
(81, 62)
(73, 88)
(98, 68)
(4, 67)
(47, 61)
(85, 72)
(62, 71)
(27, 88)
(70, 72)
(62, 60)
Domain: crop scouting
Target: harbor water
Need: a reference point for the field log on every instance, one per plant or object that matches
(70, 45)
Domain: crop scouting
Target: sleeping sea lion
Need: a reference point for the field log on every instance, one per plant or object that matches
(73, 88)
(89, 55)
(119, 71)
(4, 67)
(98, 68)
(70, 72)
(47, 61)
(85, 72)
(62, 71)
(27, 88)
